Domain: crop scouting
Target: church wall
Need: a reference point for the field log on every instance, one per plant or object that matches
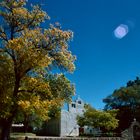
(69, 124)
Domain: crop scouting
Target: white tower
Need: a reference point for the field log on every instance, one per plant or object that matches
(77, 106)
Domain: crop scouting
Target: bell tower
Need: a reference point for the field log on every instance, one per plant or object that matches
(77, 106)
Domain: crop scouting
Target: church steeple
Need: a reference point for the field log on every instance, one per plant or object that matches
(77, 106)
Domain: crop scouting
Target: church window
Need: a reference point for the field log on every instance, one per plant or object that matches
(90, 131)
(79, 102)
(73, 105)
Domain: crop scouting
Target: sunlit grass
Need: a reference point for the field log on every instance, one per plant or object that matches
(21, 135)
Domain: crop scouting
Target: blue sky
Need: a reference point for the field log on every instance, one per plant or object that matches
(104, 63)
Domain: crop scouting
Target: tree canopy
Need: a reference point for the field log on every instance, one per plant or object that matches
(28, 56)
(127, 100)
(98, 119)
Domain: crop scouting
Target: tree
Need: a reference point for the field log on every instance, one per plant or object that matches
(60, 88)
(28, 54)
(127, 101)
(98, 119)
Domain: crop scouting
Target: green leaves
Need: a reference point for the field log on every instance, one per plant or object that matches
(125, 96)
(98, 119)
(127, 100)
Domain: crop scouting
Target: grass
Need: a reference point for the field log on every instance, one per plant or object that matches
(20, 136)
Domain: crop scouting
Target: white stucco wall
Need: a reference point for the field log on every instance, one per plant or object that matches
(69, 124)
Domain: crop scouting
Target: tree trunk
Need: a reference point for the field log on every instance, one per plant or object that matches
(6, 127)
(26, 122)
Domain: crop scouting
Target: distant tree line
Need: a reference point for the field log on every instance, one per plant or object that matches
(121, 108)
(127, 101)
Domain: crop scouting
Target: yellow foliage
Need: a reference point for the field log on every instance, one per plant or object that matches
(28, 54)
(20, 12)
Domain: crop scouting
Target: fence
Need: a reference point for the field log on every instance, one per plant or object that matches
(68, 138)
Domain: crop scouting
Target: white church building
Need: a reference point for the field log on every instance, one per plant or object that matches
(67, 125)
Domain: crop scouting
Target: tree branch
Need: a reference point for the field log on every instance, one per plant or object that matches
(30, 91)
(3, 35)
(28, 24)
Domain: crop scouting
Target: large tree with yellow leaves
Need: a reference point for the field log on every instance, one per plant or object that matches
(28, 54)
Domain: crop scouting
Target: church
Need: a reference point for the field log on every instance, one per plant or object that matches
(67, 125)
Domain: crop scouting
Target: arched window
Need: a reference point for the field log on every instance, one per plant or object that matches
(79, 102)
